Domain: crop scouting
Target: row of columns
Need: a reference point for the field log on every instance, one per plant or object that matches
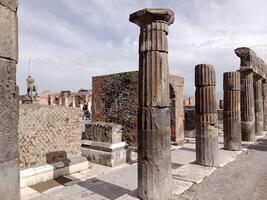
(245, 107)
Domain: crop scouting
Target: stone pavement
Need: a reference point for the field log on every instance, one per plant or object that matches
(120, 183)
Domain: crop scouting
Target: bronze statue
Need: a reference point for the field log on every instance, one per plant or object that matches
(31, 88)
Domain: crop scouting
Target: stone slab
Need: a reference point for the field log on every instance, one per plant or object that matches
(179, 186)
(111, 159)
(192, 172)
(8, 34)
(226, 156)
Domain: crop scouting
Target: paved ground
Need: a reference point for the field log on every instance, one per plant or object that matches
(243, 179)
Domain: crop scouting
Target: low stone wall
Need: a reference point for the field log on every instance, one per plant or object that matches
(48, 134)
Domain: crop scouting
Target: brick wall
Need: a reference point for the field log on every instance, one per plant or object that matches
(115, 100)
(48, 134)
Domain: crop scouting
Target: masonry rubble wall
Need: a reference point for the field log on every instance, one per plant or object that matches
(48, 134)
(115, 100)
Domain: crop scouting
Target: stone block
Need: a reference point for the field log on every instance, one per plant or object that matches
(192, 173)
(107, 158)
(8, 34)
(9, 173)
(101, 144)
(11, 4)
(8, 111)
(103, 132)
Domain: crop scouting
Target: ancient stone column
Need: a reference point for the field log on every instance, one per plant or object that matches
(9, 144)
(247, 106)
(264, 86)
(206, 116)
(258, 107)
(231, 111)
(154, 144)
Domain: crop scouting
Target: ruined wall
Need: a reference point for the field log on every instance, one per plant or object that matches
(48, 134)
(9, 154)
(115, 100)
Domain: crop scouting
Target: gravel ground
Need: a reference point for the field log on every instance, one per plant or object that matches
(243, 179)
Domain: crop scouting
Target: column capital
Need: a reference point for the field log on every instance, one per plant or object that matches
(148, 15)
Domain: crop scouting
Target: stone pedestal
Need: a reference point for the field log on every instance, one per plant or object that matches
(258, 107)
(206, 116)
(9, 154)
(102, 144)
(231, 111)
(264, 86)
(247, 107)
(154, 144)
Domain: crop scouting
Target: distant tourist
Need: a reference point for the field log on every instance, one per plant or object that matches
(86, 112)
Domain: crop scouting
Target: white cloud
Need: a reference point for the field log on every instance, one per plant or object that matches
(71, 40)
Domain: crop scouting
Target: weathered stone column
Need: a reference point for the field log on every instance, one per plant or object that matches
(231, 111)
(264, 86)
(207, 149)
(154, 133)
(258, 107)
(9, 153)
(247, 107)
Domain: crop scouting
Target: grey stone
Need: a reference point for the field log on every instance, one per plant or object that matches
(8, 111)
(10, 183)
(8, 34)
(11, 4)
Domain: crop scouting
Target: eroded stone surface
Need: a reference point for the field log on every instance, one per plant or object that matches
(231, 113)
(12, 4)
(8, 34)
(154, 144)
(206, 116)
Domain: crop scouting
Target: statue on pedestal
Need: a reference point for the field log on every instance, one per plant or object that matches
(31, 88)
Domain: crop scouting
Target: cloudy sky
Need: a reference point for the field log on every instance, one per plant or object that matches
(69, 41)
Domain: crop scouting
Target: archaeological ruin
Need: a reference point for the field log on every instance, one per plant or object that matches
(146, 139)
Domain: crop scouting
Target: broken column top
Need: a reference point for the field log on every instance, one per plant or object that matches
(148, 15)
(250, 61)
(205, 75)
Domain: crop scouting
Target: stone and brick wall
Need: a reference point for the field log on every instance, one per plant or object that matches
(48, 134)
(115, 100)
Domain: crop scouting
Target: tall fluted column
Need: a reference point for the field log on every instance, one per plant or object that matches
(9, 138)
(206, 116)
(264, 86)
(247, 107)
(231, 111)
(258, 107)
(154, 133)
